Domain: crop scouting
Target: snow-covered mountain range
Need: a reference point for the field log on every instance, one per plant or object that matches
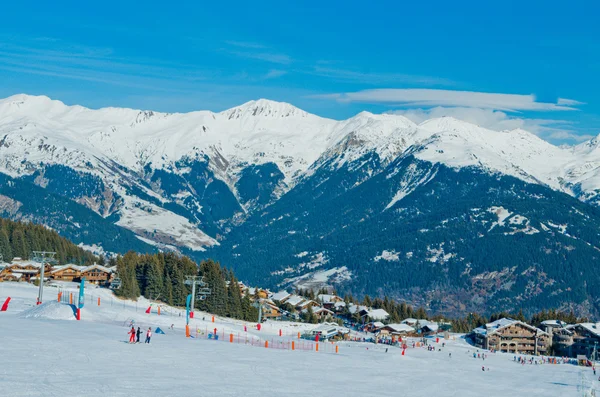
(192, 181)
(120, 147)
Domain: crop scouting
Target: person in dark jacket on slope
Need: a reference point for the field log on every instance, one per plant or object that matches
(137, 335)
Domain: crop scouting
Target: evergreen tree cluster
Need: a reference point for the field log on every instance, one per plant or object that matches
(20, 239)
(162, 277)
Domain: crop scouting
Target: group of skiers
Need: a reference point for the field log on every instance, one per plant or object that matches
(134, 336)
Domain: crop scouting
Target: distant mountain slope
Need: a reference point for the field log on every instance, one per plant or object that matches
(455, 240)
(375, 203)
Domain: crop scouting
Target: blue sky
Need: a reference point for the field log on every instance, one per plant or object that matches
(502, 65)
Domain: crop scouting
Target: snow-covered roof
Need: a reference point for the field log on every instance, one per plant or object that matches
(409, 321)
(22, 263)
(378, 324)
(339, 304)
(400, 328)
(356, 308)
(308, 302)
(64, 267)
(328, 298)
(318, 310)
(430, 326)
(96, 266)
(281, 295)
(378, 314)
(495, 326)
(554, 323)
(594, 328)
(295, 300)
(24, 271)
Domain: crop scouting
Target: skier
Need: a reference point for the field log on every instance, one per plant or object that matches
(483, 368)
(132, 335)
(148, 335)
(137, 335)
(450, 355)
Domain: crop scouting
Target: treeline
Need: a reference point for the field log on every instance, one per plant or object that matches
(20, 239)
(162, 277)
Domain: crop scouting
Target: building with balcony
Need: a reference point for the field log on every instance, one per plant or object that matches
(512, 336)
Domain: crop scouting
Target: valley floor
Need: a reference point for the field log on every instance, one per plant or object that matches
(44, 352)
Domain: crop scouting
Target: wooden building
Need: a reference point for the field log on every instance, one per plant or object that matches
(96, 274)
(512, 336)
(21, 270)
(66, 273)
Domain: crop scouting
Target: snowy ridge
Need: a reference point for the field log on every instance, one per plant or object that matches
(118, 146)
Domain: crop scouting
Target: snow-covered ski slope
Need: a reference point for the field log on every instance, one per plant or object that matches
(42, 356)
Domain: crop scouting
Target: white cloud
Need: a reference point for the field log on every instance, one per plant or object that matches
(419, 97)
(274, 73)
(551, 129)
(569, 136)
(376, 78)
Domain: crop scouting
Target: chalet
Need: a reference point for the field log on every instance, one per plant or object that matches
(322, 313)
(328, 301)
(396, 329)
(353, 309)
(21, 270)
(270, 310)
(511, 336)
(375, 314)
(66, 273)
(410, 321)
(374, 326)
(261, 293)
(306, 304)
(242, 288)
(96, 274)
(339, 306)
(294, 300)
(428, 327)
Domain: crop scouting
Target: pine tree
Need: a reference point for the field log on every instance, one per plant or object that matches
(19, 244)
(5, 249)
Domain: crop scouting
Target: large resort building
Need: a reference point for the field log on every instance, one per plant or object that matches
(512, 336)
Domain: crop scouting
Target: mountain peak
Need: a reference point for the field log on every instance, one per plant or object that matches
(264, 108)
(447, 123)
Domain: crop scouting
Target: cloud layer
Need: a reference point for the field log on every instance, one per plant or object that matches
(552, 129)
(431, 97)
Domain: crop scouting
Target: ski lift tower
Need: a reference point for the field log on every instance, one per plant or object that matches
(42, 257)
(259, 304)
(202, 292)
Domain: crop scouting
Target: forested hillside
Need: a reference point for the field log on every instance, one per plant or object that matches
(20, 239)
(162, 277)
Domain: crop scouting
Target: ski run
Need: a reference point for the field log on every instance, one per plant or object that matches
(46, 352)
